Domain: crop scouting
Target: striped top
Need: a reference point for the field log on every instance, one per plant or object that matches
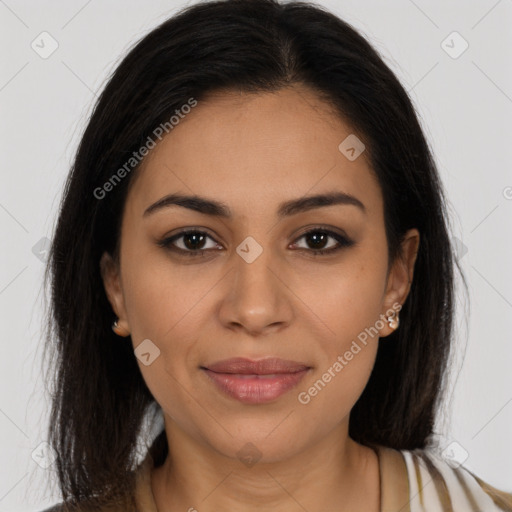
(410, 481)
(422, 481)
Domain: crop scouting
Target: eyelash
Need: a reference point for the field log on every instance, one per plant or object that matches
(343, 242)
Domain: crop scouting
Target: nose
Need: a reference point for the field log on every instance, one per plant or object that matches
(257, 298)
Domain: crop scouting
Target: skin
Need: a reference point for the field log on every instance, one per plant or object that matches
(262, 149)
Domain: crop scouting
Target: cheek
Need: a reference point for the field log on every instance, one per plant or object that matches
(350, 303)
(161, 297)
(163, 306)
(342, 373)
(166, 304)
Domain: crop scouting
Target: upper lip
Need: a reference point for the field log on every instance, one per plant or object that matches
(241, 365)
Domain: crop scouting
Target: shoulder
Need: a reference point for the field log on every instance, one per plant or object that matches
(436, 483)
(143, 494)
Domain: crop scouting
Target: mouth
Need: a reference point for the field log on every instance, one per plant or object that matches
(255, 382)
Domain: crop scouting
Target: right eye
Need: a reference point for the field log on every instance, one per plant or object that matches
(192, 242)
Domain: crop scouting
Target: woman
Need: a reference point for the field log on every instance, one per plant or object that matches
(253, 244)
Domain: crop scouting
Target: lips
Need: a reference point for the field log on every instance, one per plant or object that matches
(240, 365)
(255, 382)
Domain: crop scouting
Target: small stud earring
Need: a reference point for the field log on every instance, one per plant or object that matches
(392, 321)
(117, 329)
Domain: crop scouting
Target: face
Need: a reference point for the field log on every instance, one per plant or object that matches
(251, 283)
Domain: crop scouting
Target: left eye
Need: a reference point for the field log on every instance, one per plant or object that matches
(318, 238)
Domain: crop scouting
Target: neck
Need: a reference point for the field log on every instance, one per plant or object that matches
(335, 473)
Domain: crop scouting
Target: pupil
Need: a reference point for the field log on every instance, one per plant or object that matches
(196, 237)
(316, 237)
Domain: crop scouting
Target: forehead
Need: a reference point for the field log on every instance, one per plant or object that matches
(249, 150)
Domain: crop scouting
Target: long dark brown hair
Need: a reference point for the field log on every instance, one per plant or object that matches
(99, 398)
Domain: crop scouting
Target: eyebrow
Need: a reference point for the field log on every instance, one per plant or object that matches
(288, 208)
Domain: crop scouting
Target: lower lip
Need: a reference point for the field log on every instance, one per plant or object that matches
(255, 389)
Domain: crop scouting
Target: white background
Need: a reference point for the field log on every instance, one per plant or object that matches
(465, 106)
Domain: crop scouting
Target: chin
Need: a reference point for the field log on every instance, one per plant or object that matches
(258, 449)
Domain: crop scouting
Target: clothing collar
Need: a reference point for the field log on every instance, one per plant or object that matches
(394, 482)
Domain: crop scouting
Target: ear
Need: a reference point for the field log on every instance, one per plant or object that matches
(400, 278)
(110, 274)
